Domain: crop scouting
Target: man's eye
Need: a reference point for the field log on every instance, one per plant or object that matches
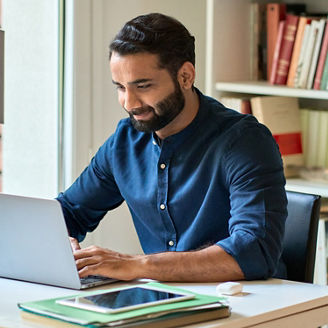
(119, 87)
(144, 86)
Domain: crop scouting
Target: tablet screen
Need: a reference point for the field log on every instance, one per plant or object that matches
(125, 299)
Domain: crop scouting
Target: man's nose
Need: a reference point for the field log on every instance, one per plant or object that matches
(131, 101)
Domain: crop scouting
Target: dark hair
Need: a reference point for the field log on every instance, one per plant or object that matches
(157, 34)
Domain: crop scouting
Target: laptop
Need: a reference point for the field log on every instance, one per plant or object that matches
(35, 246)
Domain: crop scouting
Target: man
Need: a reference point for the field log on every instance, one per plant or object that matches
(204, 184)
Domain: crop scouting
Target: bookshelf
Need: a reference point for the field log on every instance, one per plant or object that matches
(228, 65)
(228, 70)
(265, 88)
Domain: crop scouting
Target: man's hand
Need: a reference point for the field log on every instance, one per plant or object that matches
(209, 264)
(95, 260)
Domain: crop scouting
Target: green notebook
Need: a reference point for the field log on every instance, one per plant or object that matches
(200, 308)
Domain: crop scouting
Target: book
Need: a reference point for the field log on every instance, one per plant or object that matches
(287, 44)
(314, 60)
(301, 55)
(254, 40)
(176, 319)
(282, 116)
(305, 115)
(321, 61)
(200, 308)
(240, 104)
(324, 78)
(309, 50)
(296, 50)
(277, 52)
(257, 41)
(275, 13)
(322, 139)
(311, 158)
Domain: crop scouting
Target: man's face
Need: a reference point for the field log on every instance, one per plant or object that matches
(147, 93)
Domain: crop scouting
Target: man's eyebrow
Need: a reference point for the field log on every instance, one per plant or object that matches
(139, 81)
(135, 81)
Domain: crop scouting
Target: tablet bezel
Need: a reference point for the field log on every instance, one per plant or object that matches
(71, 301)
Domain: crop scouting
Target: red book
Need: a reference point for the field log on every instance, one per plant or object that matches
(276, 52)
(276, 12)
(286, 50)
(321, 61)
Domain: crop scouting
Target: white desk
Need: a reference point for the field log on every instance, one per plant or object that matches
(271, 303)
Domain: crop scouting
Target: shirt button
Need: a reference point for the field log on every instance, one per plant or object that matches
(162, 207)
(162, 166)
(154, 142)
(171, 242)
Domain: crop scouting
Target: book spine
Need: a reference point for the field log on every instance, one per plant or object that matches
(305, 114)
(296, 51)
(289, 143)
(324, 78)
(256, 108)
(286, 50)
(275, 13)
(313, 139)
(276, 52)
(254, 41)
(321, 61)
(323, 139)
(326, 163)
(301, 56)
(246, 106)
(308, 54)
(317, 46)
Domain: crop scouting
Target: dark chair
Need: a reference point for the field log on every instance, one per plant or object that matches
(300, 240)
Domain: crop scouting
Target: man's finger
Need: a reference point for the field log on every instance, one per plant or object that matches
(74, 244)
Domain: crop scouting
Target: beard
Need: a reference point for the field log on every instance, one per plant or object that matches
(166, 111)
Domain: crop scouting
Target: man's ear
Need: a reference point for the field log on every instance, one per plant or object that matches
(186, 75)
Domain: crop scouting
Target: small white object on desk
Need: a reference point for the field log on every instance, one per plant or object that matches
(229, 288)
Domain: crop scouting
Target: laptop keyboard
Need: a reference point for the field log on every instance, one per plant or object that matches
(92, 278)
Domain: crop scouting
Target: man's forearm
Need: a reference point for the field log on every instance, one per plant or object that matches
(209, 264)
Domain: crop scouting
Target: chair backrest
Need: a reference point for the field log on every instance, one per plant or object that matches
(299, 248)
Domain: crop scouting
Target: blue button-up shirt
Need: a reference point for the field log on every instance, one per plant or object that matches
(218, 181)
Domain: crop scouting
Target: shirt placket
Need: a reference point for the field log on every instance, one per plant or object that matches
(162, 199)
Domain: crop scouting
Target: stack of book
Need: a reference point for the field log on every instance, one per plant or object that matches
(282, 116)
(301, 133)
(314, 125)
(296, 45)
(200, 308)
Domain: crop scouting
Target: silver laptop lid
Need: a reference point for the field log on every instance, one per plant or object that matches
(34, 243)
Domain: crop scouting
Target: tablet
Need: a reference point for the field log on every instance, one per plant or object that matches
(125, 299)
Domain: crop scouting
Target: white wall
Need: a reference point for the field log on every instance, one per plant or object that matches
(31, 108)
(96, 110)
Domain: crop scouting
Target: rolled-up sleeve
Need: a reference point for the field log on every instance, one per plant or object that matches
(91, 196)
(254, 176)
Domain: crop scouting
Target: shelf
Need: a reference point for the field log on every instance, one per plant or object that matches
(310, 187)
(265, 88)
